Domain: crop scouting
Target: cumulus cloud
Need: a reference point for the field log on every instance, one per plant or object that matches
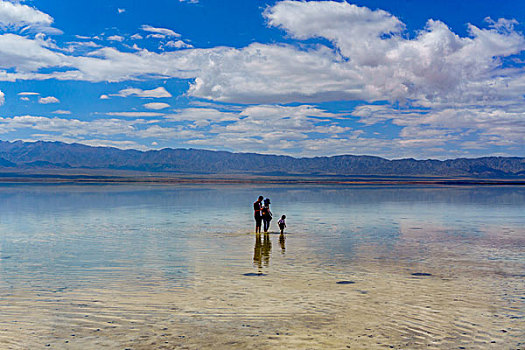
(162, 31)
(272, 120)
(119, 11)
(348, 26)
(483, 126)
(159, 92)
(116, 38)
(370, 58)
(27, 55)
(2, 98)
(18, 15)
(81, 45)
(74, 130)
(265, 128)
(104, 97)
(48, 100)
(452, 89)
(178, 44)
(156, 105)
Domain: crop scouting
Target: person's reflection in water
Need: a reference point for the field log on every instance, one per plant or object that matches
(266, 249)
(282, 241)
(262, 250)
(257, 251)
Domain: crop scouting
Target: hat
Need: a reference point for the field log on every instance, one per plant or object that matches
(267, 201)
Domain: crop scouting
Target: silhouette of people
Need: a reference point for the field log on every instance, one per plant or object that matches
(257, 208)
(262, 249)
(282, 223)
(266, 214)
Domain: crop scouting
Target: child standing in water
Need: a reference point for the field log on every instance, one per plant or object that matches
(282, 223)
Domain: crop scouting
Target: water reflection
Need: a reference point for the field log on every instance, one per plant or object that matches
(282, 241)
(68, 235)
(262, 250)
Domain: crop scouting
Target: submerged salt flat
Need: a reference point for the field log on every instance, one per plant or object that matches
(177, 266)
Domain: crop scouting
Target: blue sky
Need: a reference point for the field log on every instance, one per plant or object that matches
(422, 79)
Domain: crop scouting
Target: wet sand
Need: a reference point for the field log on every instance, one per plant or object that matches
(431, 295)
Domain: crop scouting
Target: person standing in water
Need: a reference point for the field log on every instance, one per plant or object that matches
(266, 214)
(257, 207)
(282, 223)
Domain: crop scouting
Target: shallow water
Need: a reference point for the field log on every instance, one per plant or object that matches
(123, 266)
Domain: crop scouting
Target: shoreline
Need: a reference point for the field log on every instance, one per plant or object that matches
(89, 179)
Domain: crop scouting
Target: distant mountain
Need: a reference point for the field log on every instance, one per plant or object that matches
(33, 156)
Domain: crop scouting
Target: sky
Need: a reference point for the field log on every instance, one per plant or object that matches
(396, 79)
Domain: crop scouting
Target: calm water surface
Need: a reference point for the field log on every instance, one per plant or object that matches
(65, 236)
(68, 238)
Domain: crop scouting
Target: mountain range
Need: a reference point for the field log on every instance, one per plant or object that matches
(56, 157)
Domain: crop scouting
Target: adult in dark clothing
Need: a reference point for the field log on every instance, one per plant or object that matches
(266, 214)
(257, 207)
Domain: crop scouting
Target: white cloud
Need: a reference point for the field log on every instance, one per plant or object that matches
(122, 144)
(63, 112)
(75, 45)
(28, 93)
(460, 86)
(350, 27)
(135, 114)
(74, 130)
(156, 36)
(2, 98)
(23, 98)
(265, 128)
(207, 115)
(116, 38)
(371, 59)
(154, 93)
(27, 55)
(69, 127)
(162, 31)
(156, 105)
(275, 74)
(178, 44)
(483, 126)
(48, 100)
(436, 66)
(271, 120)
(104, 97)
(136, 37)
(18, 15)
(168, 133)
(119, 11)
